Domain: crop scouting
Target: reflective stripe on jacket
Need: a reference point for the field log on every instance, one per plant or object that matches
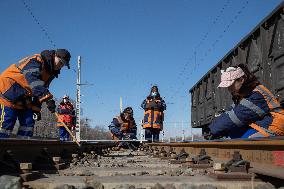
(153, 119)
(276, 112)
(123, 125)
(260, 111)
(153, 115)
(23, 81)
(156, 104)
(65, 112)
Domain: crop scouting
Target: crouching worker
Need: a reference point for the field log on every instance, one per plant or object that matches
(123, 127)
(24, 87)
(66, 116)
(255, 111)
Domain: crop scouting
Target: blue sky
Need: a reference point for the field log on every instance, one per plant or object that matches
(128, 45)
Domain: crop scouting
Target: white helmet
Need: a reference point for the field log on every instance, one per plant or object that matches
(65, 97)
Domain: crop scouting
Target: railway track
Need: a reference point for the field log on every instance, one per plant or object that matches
(17, 155)
(220, 164)
(265, 156)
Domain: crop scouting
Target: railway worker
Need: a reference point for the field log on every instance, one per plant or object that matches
(24, 87)
(66, 116)
(154, 107)
(255, 111)
(123, 127)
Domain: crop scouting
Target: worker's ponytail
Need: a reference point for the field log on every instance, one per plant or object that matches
(250, 81)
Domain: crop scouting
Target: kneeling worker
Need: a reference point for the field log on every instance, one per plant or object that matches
(256, 112)
(123, 127)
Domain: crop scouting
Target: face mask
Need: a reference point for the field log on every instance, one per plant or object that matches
(126, 116)
(154, 94)
(65, 100)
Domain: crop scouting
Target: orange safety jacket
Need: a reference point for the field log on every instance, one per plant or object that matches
(260, 110)
(65, 111)
(125, 125)
(153, 117)
(19, 83)
(276, 127)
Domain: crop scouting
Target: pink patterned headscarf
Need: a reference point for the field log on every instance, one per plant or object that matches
(230, 75)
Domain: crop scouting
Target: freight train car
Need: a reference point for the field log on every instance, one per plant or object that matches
(262, 50)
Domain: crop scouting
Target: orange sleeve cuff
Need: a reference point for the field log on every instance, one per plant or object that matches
(45, 98)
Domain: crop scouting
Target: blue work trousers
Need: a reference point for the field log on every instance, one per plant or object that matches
(9, 117)
(64, 135)
(152, 134)
(252, 133)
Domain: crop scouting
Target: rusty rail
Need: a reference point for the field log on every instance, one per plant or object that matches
(266, 155)
(42, 154)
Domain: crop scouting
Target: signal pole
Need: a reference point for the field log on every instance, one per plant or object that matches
(176, 132)
(78, 101)
(183, 136)
(120, 104)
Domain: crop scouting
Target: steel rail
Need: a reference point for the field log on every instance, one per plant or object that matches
(13, 152)
(266, 155)
(101, 140)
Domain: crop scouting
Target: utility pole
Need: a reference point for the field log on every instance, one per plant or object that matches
(176, 132)
(163, 136)
(142, 135)
(191, 133)
(183, 136)
(86, 128)
(120, 104)
(142, 132)
(78, 101)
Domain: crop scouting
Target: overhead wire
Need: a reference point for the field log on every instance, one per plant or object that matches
(225, 30)
(193, 56)
(220, 37)
(210, 28)
(205, 36)
(43, 29)
(210, 49)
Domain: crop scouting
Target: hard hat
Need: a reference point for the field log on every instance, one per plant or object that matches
(128, 110)
(64, 55)
(66, 97)
(154, 87)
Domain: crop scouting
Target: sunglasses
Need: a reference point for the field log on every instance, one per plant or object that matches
(64, 62)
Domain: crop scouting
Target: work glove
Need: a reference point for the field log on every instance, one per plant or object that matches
(207, 134)
(73, 120)
(157, 101)
(116, 132)
(37, 116)
(126, 136)
(51, 105)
